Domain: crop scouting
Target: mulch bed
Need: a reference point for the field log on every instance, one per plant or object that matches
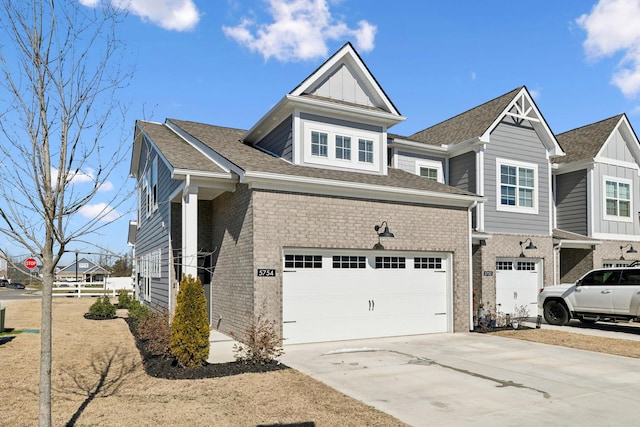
(167, 367)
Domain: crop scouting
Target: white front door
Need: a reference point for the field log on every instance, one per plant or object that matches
(338, 295)
(518, 282)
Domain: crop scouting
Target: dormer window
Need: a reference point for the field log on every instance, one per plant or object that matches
(319, 144)
(343, 147)
(365, 150)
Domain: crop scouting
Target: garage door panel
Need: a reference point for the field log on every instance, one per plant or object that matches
(328, 303)
(517, 284)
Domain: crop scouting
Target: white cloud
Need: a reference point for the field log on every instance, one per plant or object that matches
(176, 15)
(100, 211)
(299, 31)
(79, 177)
(611, 29)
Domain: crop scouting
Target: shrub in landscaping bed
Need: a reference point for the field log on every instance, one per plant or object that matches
(102, 309)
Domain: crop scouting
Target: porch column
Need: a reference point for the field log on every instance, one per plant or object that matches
(190, 230)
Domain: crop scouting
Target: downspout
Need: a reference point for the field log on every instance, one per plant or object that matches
(470, 263)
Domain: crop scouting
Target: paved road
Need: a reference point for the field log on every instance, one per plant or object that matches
(477, 380)
(7, 294)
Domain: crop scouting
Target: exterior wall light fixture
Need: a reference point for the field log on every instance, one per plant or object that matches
(631, 250)
(530, 246)
(385, 233)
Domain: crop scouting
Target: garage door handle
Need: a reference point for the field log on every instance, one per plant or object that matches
(372, 305)
(290, 321)
(440, 314)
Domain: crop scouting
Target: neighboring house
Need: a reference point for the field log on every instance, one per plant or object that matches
(500, 150)
(301, 219)
(597, 188)
(3, 265)
(86, 271)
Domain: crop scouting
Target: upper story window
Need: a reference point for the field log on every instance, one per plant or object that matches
(338, 146)
(343, 147)
(430, 169)
(319, 144)
(517, 186)
(617, 199)
(365, 150)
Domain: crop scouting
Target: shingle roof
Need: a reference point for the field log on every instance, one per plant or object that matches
(226, 142)
(585, 142)
(465, 126)
(179, 153)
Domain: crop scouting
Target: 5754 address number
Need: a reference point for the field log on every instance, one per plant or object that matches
(266, 272)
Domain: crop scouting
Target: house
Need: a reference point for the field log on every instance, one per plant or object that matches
(597, 186)
(82, 270)
(3, 265)
(501, 150)
(301, 218)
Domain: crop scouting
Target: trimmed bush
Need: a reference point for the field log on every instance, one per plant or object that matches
(102, 309)
(260, 343)
(189, 340)
(124, 299)
(138, 311)
(153, 330)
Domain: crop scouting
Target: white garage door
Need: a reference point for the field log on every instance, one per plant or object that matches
(338, 295)
(518, 282)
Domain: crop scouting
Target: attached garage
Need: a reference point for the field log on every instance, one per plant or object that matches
(518, 281)
(331, 295)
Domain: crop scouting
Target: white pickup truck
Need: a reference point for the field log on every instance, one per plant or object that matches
(607, 294)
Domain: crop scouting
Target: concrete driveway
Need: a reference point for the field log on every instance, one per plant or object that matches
(475, 380)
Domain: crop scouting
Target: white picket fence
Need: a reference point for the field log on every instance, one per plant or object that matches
(110, 287)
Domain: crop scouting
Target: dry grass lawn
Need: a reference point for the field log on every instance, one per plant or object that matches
(98, 380)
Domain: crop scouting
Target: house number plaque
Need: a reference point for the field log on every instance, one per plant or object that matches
(266, 272)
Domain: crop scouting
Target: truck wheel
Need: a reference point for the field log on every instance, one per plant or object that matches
(555, 313)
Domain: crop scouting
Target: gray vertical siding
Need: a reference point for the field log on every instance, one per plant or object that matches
(344, 86)
(571, 202)
(519, 143)
(279, 140)
(462, 172)
(617, 149)
(614, 227)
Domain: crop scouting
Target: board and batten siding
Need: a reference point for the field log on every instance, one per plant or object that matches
(344, 86)
(616, 148)
(151, 234)
(604, 226)
(279, 140)
(520, 144)
(571, 202)
(406, 161)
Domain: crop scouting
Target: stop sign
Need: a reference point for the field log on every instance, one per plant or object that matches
(30, 263)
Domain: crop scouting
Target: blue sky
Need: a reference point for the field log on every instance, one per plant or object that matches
(227, 62)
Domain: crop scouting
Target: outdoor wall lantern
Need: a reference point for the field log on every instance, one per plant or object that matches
(385, 233)
(631, 250)
(529, 247)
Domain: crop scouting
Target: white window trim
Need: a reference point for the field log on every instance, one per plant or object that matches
(336, 130)
(536, 187)
(617, 218)
(431, 164)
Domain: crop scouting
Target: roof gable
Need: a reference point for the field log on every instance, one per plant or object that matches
(598, 140)
(344, 77)
(477, 123)
(341, 87)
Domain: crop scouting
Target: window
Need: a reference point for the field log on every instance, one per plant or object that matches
(429, 173)
(617, 199)
(155, 263)
(303, 261)
(349, 262)
(390, 262)
(83, 265)
(517, 185)
(427, 263)
(630, 277)
(430, 169)
(365, 150)
(526, 266)
(601, 277)
(504, 265)
(343, 147)
(154, 184)
(319, 144)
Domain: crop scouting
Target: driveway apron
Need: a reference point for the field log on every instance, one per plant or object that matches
(469, 379)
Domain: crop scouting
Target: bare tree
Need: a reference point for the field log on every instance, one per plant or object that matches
(62, 134)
